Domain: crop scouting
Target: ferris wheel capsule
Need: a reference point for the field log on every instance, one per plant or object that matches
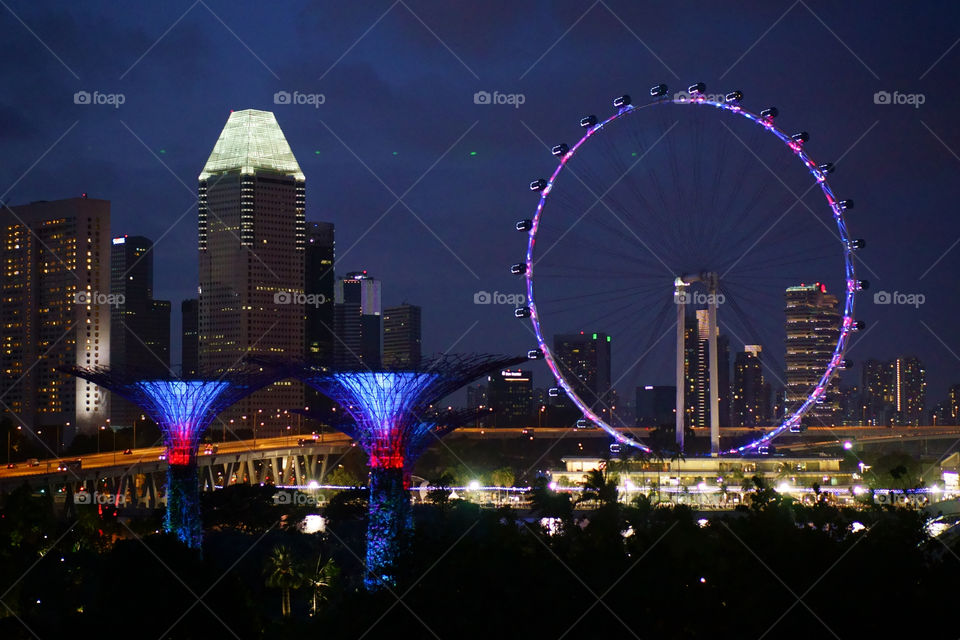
(733, 96)
(826, 167)
(857, 325)
(588, 121)
(524, 225)
(518, 269)
(534, 354)
(861, 285)
(620, 102)
(845, 204)
(521, 312)
(769, 113)
(858, 243)
(697, 87)
(658, 91)
(801, 137)
(538, 185)
(560, 150)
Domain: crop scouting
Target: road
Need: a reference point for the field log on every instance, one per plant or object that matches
(114, 458)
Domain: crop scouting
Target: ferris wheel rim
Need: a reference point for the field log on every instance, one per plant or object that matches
(836, 206)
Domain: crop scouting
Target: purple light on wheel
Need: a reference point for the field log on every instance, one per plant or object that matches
(819, 173)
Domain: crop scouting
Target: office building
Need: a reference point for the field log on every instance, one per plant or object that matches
(584, 361)
(318, 285)
(656, 406)
(357, 321)
(401, 336)
(189, 337)
(252, 239)
(510, 395)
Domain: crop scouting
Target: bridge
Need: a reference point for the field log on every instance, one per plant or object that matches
(136, 479)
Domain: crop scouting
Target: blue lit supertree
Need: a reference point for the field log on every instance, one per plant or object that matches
(394, 422)
(183, 408)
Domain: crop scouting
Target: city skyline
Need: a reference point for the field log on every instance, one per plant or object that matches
(163, 144)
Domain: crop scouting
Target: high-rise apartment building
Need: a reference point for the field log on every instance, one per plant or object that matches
(252, 241)
(318, 285)
(812, 328)
(401, 336)
(55, 310)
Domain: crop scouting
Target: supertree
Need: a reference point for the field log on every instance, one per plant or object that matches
(183, 408)
(394, 422)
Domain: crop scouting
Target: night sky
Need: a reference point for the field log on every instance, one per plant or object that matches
(398, 119)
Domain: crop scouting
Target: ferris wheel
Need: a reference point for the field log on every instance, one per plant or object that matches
(666, 211)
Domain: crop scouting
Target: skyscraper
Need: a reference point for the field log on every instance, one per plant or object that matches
(357, 321)
(140, 325)
(55, 312)
(894, 392)
(140, 335)
(813, 325)
(189, 337)
(252, 228)
(751, 395)
(318, 284)
(510, 395)
(401, 336)
(910, 391)
(656, 406)
(701, 374)
(584, 361)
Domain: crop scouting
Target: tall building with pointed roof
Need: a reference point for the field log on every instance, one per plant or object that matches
(252, 232)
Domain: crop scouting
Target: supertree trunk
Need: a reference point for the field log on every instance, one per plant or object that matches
(388, 526)
(183, 504)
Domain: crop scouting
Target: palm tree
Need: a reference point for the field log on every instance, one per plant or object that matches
(284, 573)
(599, 487)
(323, 580)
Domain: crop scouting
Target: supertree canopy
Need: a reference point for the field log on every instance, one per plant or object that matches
(394, 423)
(183, 408)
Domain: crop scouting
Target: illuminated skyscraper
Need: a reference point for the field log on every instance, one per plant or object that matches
(699, 373)
(401, 336)
(55, 311)
(909, 391)
(813, 325)
(252, 228)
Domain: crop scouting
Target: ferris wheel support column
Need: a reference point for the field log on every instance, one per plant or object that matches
(711, 279)
(679, 297)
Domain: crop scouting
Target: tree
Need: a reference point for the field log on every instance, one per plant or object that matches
(601, 488)
(439, 493)
(323, 580)
(502, 477)
(284, 573)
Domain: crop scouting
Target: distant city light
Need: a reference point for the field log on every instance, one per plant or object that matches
(848, 445)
